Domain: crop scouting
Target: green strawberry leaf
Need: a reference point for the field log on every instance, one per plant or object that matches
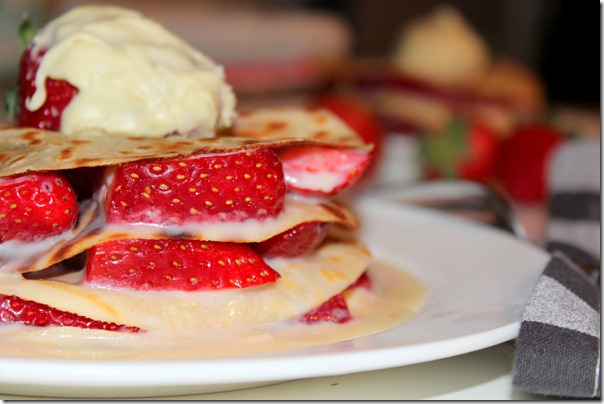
(11, 102)
(26, 31)
(445, 150)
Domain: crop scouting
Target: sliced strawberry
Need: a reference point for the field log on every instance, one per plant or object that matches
(360, 118)
(36, 206)
(321, 171)
(58, 94)
(364, 281)
(297, 241)
(176, 265)
(336, 308)
(14, 309)
(218, 187)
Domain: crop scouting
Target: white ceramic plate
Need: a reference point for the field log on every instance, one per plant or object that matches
(478, 281)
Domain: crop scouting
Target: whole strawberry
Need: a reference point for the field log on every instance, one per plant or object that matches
(464, 150)
(524, 162)
(58, 94)
(36, 206)
(218, 187)
(187, 265)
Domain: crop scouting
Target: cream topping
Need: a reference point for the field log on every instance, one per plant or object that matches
(133, 76)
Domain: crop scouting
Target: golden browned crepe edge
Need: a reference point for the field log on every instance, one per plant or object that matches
(25, 150)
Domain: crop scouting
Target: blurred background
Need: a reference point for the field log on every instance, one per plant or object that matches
(559, 39)
(471, 89)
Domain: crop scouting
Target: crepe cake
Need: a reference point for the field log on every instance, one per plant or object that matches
(220, 219)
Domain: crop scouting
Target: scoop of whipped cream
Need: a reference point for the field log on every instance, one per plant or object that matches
(134, 77)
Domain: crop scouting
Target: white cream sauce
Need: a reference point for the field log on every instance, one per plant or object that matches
(133, 76)
(316, 181)
(396, 296)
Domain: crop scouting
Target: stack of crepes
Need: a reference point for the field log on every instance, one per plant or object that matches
(135, 198)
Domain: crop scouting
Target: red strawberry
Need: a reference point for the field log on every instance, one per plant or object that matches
(13, 309)
(58, 94)
(336, 308)
(297, 241)
(176, 265)
(359, 118)
(524, 159)
(364, 281)
(321, 171)
(35, 206)
(464, 150)
(234, 186)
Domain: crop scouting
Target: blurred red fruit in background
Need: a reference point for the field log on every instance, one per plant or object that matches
(524, 161)
(464, 150)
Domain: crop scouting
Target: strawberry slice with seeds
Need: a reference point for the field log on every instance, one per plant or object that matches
(36, 206)
(14, 309)
(321, 171)
(218, 187)
(335, 309)
(299, 240)
(59, 94)
(187, 265)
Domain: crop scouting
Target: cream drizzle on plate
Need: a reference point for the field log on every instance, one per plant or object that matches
(396, 296)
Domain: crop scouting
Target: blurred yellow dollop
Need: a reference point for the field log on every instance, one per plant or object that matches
(442, 47)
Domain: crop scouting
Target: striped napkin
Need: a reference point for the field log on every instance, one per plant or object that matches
(558, 346)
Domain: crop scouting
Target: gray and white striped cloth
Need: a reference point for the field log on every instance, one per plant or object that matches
(558, 346)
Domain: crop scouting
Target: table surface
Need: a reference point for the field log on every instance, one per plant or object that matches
(482, 375)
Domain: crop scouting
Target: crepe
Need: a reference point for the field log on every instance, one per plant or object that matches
(92, 230)
(25, 149)
(305, 283)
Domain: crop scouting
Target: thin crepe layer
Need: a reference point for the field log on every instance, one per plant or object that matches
(305, 283)
(92, 230)
(27, 150)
